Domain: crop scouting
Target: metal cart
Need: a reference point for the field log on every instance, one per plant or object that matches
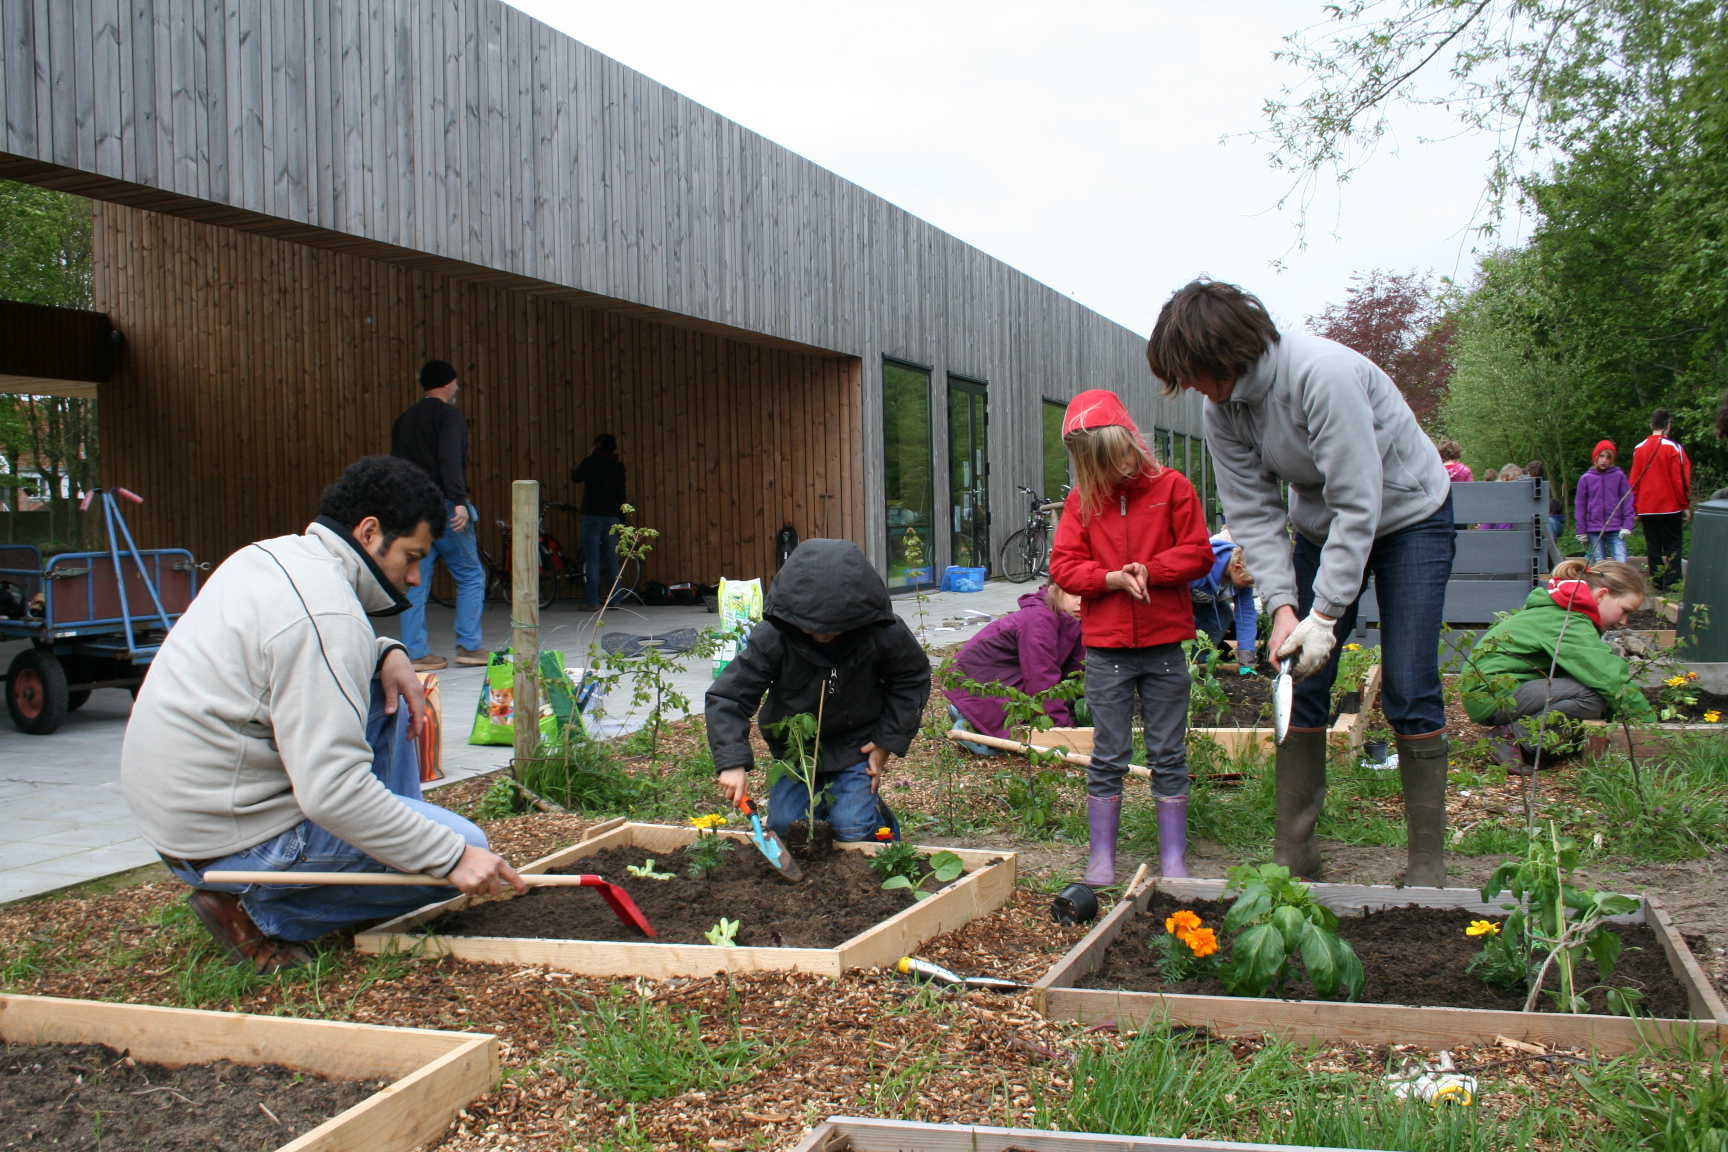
(93, 619)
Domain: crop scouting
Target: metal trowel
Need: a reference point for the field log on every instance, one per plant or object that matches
(1283, 695)
(768, 843)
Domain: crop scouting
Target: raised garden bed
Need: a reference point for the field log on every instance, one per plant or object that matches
(430, 1074)
(594, 943)
(857, 1134)
(1060, 994)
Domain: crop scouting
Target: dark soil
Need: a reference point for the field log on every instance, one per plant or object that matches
(1702, 702)
(88, 1096)
(1250, 703)
(838, 898)
(1644, 620)
(1410, 956)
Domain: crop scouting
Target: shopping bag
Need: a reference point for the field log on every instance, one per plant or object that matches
(495, 714)
(740, 608)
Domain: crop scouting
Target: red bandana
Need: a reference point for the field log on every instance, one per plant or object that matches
(1576, 596)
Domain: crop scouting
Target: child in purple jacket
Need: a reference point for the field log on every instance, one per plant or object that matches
(1603, 507)
(1031, 650)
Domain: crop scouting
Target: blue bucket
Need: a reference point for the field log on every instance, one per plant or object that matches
(962, 579)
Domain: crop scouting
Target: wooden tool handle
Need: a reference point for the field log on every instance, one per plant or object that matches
(1015, 746)
(378, 878)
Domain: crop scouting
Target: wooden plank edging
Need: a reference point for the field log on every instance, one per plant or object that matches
(860, 1134)
(1083, 959)
(433, 1074)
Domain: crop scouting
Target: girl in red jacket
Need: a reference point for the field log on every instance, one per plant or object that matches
(1131, 539)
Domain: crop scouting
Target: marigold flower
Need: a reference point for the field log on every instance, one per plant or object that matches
(1675, 681)
(1181, 923)
(1352, 647)
(1482, 928)
(1202, 942)
(1691, 675)
(884, 833)
(707, 822)
(1712, 716)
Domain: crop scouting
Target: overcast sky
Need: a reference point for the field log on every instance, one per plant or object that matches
(1079, 141)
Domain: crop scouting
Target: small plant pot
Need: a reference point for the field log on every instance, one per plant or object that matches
(1076, 904)
(1376, 752)
(1350, 703)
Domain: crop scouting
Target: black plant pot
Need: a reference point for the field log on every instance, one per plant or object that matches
(1377, 751)
(1349, 703)
(1077, 904)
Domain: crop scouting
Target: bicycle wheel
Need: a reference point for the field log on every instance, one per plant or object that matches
(1042, 546)
(1020, 557)
(629, 581)
(441, 601)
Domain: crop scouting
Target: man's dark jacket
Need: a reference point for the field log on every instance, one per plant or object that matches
(601, 475)
(877, 681)
(434, 435)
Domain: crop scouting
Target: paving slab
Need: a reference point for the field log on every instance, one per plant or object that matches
(63, 819)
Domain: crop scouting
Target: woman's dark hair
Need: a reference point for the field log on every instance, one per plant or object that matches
(1535, 469)
(1208, 328)
(395, 490)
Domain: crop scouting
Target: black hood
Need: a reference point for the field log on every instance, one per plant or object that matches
(828, 586)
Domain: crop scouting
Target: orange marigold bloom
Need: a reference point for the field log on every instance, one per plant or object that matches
(884, 833)
(1201, 941)
(1181, 923)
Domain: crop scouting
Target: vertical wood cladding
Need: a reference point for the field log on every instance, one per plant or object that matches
(256, 369)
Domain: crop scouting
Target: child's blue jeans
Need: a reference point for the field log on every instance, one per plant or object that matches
(306, 912)
(851, 809)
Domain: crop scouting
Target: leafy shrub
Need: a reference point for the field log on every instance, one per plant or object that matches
(1276, 921)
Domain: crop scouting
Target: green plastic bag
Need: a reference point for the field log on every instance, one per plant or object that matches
(495, 715)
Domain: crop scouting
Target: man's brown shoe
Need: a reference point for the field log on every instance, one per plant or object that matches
(471, 656)
(226, 918)
(433, 662)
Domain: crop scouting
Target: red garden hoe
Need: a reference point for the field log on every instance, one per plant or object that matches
(615, 897)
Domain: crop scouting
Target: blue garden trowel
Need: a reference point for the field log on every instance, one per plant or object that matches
(773, 849)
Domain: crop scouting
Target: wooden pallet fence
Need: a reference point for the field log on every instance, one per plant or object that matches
(1316, 1021)
(858, 1134)
(433, 1074)
(986, 886)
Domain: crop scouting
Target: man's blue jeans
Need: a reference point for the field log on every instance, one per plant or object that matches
(851, 809)
(306, 912)
(1606, 546)
(599, 556)
(1410, 569)
(460, 552)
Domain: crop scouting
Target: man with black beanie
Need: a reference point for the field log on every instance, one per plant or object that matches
(434, 435)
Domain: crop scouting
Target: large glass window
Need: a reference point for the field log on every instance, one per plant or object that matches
(969, 472)
(907, 479)
(1055, 455)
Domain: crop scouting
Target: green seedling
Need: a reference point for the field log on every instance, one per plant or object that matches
(896, 859)
(1274, 921)
(708, 851)
(646, 871)
(724, 934)
(945, 867)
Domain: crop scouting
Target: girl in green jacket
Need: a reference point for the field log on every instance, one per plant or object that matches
(1550, 658)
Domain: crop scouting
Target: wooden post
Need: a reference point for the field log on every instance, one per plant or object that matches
(525, 614)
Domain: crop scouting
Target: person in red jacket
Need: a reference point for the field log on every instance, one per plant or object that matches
(1662, 496)
(1131, 539)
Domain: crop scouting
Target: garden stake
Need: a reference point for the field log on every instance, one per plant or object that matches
(768, 843)
(616, 898)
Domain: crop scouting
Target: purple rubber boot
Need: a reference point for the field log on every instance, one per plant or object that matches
(1104, 815)
(1173, 836)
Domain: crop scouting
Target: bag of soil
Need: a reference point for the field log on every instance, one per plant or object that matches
(495, 715)
(740, 609)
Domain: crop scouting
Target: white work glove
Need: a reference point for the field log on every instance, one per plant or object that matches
(1583, 539)
(1625, 532)
(1311, 643)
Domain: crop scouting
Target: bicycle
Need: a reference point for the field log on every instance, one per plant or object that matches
(556, 567)
(1026, 554)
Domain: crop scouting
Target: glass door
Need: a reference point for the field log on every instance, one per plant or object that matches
(907, 475)
(968, 473)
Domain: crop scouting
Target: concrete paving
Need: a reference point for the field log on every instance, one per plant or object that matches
(64, 821)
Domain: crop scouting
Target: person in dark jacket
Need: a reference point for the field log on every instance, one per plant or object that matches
(601, 475)
(434, 435)
(1032, 650)
(829, 644)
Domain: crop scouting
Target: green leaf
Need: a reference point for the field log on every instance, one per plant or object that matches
(1255, 902)
(920, 895)
(896, 882)
(1255, 959)
(1291, 925)
(1604, 948)
(1351, 966)
(1321, 960)
(946, 866)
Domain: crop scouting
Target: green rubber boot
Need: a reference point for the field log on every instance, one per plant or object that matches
(1301, 791)
(1422, 770)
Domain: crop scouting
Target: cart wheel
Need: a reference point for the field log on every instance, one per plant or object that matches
(36, 691)
(75, 700)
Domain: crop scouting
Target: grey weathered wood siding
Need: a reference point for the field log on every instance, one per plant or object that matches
(464, 136)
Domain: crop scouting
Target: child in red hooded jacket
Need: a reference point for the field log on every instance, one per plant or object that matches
(1132, 537)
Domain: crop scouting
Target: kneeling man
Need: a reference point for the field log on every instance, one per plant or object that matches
(268, 736)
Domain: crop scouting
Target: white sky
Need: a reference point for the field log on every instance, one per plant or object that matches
(1077, 140)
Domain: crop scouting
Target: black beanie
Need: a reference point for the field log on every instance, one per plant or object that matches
(436, 374)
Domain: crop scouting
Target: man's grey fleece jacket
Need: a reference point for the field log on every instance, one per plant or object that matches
(1328, 422)
(253, 717)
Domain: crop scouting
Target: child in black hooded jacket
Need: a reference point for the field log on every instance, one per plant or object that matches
(828, 629)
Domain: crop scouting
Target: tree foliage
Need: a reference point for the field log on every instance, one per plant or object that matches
(1399, 321)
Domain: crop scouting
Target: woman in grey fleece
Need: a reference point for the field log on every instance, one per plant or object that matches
(1368, 494)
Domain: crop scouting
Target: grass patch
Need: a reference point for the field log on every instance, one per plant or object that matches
(630, 1049)
(1677, 808)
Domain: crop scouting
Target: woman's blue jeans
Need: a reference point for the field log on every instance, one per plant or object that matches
(306, 912)
(1410, 568)
(851, 809)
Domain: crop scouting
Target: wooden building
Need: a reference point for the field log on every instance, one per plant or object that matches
(300, 201)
